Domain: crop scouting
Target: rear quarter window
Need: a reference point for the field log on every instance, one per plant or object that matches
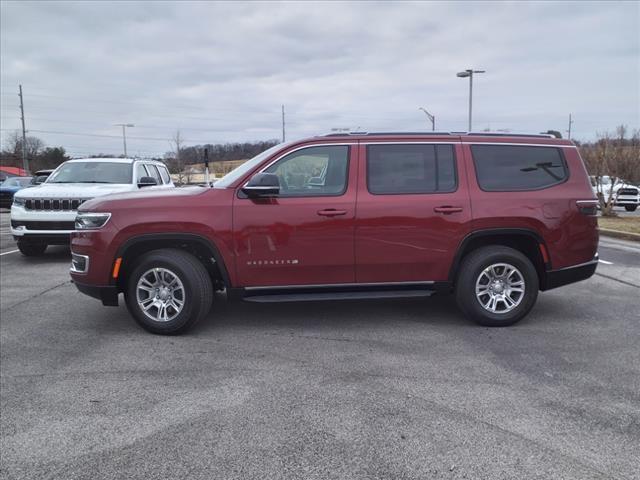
(503, 168)
(164, 174)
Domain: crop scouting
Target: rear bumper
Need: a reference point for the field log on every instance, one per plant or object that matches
(108, 294)
(565, 276)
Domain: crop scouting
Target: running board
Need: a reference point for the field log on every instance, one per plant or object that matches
(357, 295)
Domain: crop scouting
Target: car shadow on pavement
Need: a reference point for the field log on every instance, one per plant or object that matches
(437, 310)
(53, 254)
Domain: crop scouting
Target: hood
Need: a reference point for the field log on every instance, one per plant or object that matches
(73, 190)
(144, 197)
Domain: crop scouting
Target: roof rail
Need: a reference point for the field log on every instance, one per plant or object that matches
(502, 134)
(475, 134)
(346, 134)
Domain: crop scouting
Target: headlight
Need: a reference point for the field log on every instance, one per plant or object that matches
(90, 221)
(19, 201)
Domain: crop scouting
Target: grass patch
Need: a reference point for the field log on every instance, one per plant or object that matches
(622, 224)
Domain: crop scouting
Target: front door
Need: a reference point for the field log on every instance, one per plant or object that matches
(413, 211)
(305, 235)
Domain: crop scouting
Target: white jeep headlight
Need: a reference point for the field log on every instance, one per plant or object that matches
(91, 221)
(18, 201)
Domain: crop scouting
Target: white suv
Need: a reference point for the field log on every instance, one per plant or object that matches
(45, 214)
(625, 195)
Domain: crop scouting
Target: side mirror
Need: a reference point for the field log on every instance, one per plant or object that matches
(262, 185)
(147, 182)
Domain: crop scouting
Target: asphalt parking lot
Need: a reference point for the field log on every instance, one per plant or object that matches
(403, 389)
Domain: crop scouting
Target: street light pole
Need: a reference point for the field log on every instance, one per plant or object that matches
(469, 73)
(432, 118)
(124, 134)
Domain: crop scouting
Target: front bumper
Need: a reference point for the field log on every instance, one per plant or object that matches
(108, 294)
(565, 276)
(42, 226)
(622, 201)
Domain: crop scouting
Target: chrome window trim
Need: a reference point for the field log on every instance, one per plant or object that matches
(323, 144)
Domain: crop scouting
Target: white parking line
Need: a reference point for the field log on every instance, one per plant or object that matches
(10, 251)
(605, 262)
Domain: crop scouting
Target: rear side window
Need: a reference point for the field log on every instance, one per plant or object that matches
(164, 174)
(502, 168)
(409, 169)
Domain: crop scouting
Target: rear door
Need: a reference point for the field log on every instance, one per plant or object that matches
(304, 236)
(413, 210)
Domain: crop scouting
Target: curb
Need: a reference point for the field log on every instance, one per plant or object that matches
(635, 237)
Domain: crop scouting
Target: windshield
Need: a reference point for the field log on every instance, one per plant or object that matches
(16, 182)
(247, 166)
(92, 172)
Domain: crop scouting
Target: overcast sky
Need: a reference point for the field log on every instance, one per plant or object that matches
(220, 71)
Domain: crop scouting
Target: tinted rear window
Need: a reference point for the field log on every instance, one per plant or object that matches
(407, 169)
(512, 167)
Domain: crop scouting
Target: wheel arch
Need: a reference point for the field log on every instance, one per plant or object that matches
(526, 241)
(201, 247)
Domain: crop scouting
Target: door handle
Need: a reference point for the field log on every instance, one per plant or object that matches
(446, 209)
(331, 212)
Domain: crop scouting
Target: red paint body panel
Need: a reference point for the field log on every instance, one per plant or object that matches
(283, 241)
(400, 238)
(199, 211)
(380, 238)
(570, 237)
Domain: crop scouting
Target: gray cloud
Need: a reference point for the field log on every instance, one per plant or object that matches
(220, 71)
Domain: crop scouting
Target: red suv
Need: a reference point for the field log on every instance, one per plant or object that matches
(491, 218)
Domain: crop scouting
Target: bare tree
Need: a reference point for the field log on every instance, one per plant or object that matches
(612, 161)
(13, 147)
(177, 163)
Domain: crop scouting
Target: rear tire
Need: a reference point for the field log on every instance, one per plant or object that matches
(489, 283)
(630, 208)
(29, 249)
(168, 291)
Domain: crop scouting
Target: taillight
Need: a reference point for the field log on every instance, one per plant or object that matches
(588, 207)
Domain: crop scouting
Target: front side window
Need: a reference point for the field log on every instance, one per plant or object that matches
(410, 169)
(313, 171)
(140, 172)
(501, 168)
(92, 172)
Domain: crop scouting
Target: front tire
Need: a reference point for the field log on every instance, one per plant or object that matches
(630, 208)
(29, 249)
(497, 286)
(168, 291)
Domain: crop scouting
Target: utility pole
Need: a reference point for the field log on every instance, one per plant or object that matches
(25, 161)
(124, 134)
(469, 73)
(570, 123)
(283, 136)
(432, 118)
